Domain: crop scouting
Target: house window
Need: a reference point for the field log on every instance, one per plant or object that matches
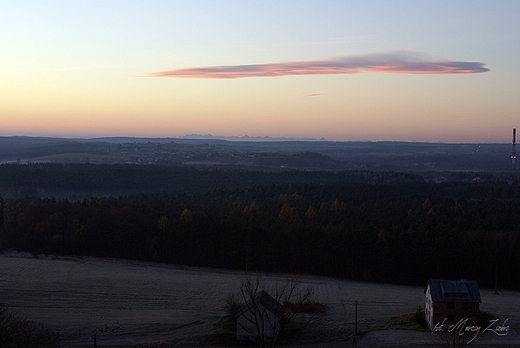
(450, 305)
(466, 306)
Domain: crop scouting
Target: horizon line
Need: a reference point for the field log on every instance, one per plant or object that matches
(244, 138)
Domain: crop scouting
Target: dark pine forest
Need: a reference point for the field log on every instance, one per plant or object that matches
(373, 226)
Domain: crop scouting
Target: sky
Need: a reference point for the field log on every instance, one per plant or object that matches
(433, 71)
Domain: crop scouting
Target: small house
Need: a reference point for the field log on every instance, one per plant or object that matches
(260, 318)
(450, 301)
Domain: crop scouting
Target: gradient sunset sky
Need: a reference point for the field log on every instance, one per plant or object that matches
(435, 71)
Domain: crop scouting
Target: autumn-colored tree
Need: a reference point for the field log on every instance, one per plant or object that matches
(335, 205)
(323, 207)
(186, 216)
(251, 208)
(290, 214)
(310, 213)
(164, 223)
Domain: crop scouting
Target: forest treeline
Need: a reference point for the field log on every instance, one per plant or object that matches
(66, 179)
(378, 226)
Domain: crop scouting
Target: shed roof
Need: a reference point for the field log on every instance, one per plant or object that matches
(454, 290)
(270, 303)
(267, 301)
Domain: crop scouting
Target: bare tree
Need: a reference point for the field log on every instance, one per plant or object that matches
(268, 313)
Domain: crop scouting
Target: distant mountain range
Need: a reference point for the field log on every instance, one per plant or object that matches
(247, 138)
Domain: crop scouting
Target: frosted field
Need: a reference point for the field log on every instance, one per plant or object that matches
(127, 303)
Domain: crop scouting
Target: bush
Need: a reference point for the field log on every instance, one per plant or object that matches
(419, 317)
(232, 308)
(17, 332)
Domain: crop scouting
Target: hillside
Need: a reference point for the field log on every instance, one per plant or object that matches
(127, 303)
(253, 154)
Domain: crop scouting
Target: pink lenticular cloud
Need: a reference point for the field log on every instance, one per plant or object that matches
(401, 63)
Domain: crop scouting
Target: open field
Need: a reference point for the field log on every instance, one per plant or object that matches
(127, 303)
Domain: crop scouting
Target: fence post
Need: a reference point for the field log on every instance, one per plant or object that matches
(356, 331)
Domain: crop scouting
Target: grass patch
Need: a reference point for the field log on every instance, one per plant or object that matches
(406, 321)
(308, 307)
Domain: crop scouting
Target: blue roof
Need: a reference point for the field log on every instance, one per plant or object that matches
(454, 290)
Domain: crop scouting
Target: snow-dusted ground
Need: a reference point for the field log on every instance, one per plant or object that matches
(126, 302)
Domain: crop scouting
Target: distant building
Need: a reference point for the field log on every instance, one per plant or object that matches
(451, 301)
(259, 318)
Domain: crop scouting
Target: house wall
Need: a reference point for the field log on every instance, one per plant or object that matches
(247, 329)
(428, 309)
(443, 310)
